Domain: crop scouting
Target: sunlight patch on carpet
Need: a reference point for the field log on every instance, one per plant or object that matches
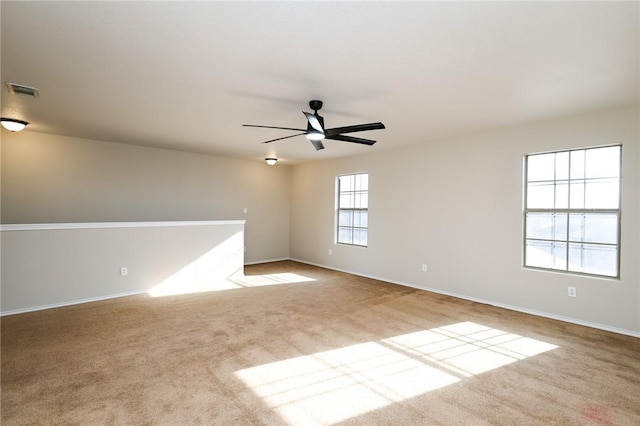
(468, 348)
(328, 387)
(332, 386)
(270, 279)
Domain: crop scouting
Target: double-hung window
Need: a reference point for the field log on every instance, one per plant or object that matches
(352, 216)
(572, 211)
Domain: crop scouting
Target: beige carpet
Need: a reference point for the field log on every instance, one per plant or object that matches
(296, 344)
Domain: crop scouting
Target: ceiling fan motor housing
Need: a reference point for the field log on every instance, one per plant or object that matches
(315, 104)
(310, 128)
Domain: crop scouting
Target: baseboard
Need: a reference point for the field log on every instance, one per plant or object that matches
(267, 261)
(72, 302)
(486, 302)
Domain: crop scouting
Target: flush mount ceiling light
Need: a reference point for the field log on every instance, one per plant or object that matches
(12, 124)
(271, 161)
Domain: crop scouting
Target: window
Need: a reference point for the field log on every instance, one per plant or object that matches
(352, 209)
(572, 211)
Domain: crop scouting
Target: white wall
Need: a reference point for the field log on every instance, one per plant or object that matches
(456, 205)
(48, 266)
(48, 178)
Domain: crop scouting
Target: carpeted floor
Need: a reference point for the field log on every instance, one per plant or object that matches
(299, 345)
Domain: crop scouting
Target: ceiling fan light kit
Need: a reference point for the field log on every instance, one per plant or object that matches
(315, 136)
(12, 124)
(316, 132)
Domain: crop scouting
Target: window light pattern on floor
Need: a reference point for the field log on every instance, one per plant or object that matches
(335, 385)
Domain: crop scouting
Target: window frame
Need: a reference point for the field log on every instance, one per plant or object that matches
(568, 211)
(338, 209)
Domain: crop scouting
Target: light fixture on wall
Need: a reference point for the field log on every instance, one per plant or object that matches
(271, 161)
(12, 124)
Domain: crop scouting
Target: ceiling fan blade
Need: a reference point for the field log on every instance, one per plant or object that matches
(354, 128)
(314, 121)
(351, 139)
(317, 144)
(273, 127)
(285, 137)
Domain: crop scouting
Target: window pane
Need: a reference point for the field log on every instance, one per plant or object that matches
(602, 194)
(562, 166)
(356, 218)
(562, 195)
(593, 259)
(360, 237)
(577, 164)
(360, 218)
(346, 183)
(544, 254)
(362, 200)
(593, 228)
(547, 226)
(540, 196)
(540, 167)
(603, 162)
(577, 195)
(362, 182)
(345, 218)
(346, 201)
(345, 235)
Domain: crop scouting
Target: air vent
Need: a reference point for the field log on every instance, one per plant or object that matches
(19, 89)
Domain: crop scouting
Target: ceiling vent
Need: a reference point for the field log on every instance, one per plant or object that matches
(19, 89)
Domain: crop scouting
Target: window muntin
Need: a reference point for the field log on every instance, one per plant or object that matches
(353, 209)
(572, 211)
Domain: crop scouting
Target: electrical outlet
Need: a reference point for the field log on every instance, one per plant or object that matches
(330, 252)
(245, 210)
(571, 291)
(424, 267)
(124, 271)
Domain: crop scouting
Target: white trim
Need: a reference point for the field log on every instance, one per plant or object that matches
(101, 225)
(257, 262)
(72, 302)
(488, 302)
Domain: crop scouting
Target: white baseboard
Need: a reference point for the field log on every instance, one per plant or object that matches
(487, 302)
(69, 303)
(267, 261)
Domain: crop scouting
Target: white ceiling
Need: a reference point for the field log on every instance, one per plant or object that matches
(187, 75)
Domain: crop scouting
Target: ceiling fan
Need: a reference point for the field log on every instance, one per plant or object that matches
(316, 132)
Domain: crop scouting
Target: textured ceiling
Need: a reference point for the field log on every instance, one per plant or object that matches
(187, 75)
